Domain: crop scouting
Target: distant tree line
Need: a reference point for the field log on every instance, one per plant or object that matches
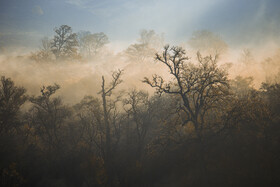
(67, 45)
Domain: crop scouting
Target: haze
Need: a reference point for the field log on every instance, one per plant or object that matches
(139, 93)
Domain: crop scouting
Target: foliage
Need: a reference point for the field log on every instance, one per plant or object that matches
(11, 99)
(90, 44)
(201, 129)
(148, 45)
(64, 44)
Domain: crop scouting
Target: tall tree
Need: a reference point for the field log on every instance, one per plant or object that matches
(47, 117)
(90, 44)
(106, 92)
(201, 86)
(138, 106)
(90, 117)
(11, 141)
(11, 99)
(148, 44)
(65, 43)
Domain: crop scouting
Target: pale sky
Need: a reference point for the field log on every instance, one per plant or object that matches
(23, 23)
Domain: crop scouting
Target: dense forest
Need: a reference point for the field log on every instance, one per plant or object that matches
(196, 123)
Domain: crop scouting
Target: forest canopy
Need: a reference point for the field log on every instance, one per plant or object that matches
(75, 113)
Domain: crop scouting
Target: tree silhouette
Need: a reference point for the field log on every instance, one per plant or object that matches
(64, 44)
(90, 44)
(47, 117)
(11, 99)
(201, 86)
(137, 106)
(106, 92)
(149, 43)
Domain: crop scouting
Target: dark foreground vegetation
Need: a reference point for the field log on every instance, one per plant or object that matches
(198, 129)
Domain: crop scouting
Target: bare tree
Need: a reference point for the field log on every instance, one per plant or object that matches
(201, 86)
(137, 106)
(106, 92)
(90, 118)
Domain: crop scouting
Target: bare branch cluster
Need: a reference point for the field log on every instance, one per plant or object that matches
(201, 86)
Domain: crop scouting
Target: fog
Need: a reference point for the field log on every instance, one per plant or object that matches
(139, 93)
(80, 77)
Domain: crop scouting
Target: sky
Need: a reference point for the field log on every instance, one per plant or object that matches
(23, 23)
